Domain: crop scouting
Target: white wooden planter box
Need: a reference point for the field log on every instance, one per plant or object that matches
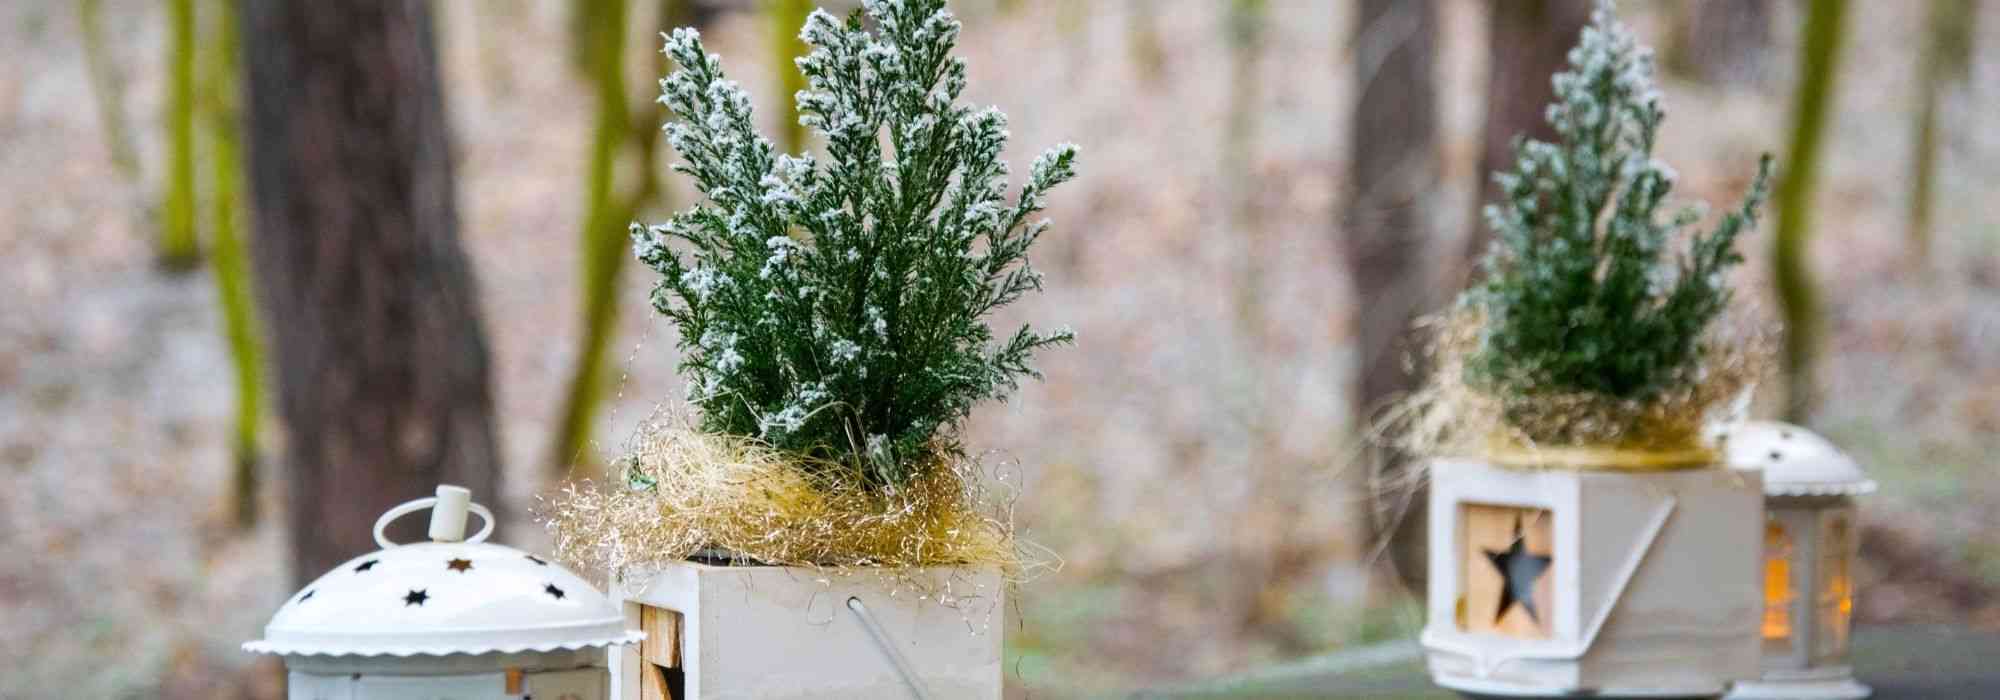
(771, 632)
(1642, 584)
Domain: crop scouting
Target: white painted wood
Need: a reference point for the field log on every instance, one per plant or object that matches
(1657, 582)
(490, 685)
(776, 632)
(579, 684)
(1824, 683)
(307, 686)
(310, 686)
(449, 665)
(567, 684)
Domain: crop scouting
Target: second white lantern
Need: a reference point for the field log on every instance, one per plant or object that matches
(1809, 550)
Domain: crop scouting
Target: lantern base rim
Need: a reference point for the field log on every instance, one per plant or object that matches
(1489, 688)
(1825, 689)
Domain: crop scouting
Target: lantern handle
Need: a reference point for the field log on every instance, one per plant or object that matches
(448, 511)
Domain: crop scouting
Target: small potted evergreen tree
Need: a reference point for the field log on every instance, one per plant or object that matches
(817, 530)
(1583, 537)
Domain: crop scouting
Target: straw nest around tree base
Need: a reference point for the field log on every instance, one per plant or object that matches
(687, 493)
(1519, 425)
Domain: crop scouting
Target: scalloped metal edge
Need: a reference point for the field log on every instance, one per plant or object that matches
(1853, 488)
(280, 649)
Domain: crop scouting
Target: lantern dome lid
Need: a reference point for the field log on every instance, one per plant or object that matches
(452, 595)
(1796, 461)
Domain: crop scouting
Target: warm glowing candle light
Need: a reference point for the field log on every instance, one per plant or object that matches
(1778, 594)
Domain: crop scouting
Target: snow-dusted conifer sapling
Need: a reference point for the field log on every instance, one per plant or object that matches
(833, 318)
(837, 308)
(1582, 539)
(1596, 321)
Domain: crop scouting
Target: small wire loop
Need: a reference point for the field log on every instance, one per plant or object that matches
(382, 523)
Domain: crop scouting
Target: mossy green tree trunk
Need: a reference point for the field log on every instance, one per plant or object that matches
(1819, 56)
(603, 228)
(786, 17)
(1947, 56)
(107, 87)
(1392, 171)
(1142, 35)
(179, 248)
(222, 120)
(608, 211)
(1244, 24)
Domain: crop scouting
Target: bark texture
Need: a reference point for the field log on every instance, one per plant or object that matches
(380, 355)
(1721, 42)
(1819, 57)
(1947, 60)
(221, 112)
(1528, 41)
(179, 250)
(1391, 174)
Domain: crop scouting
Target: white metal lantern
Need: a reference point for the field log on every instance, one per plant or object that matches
(1809, 535)
(454, 617)
(1564, 582)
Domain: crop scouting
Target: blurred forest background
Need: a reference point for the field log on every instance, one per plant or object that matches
(346, 250)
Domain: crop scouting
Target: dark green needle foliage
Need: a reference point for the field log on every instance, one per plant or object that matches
(1589, 288)
(837, 309)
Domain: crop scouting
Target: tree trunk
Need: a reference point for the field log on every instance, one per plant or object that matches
(603, 229)
(605, 242)
(1721, 42)
(1947, 57)
(381, 357)
(1142, 34)
(179, 250)
(1819, 55)
(1391, 173)
(1528, 41)
(107, 88)
(786, 18)
(222, 119)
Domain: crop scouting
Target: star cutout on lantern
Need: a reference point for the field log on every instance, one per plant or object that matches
(552, 590)
(416, 597)
(459, 565)
(1518, 571)
(366, 565)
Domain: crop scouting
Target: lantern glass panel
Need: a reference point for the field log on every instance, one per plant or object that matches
(1507, 570)
(1834, 607)
(1779, 595)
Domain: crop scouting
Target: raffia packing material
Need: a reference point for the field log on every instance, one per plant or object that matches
(833, 590)
(686, 492)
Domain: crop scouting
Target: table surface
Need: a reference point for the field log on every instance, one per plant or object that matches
(1898, 662)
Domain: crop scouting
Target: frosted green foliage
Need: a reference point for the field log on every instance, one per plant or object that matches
(838, 309)
(1587, 289)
